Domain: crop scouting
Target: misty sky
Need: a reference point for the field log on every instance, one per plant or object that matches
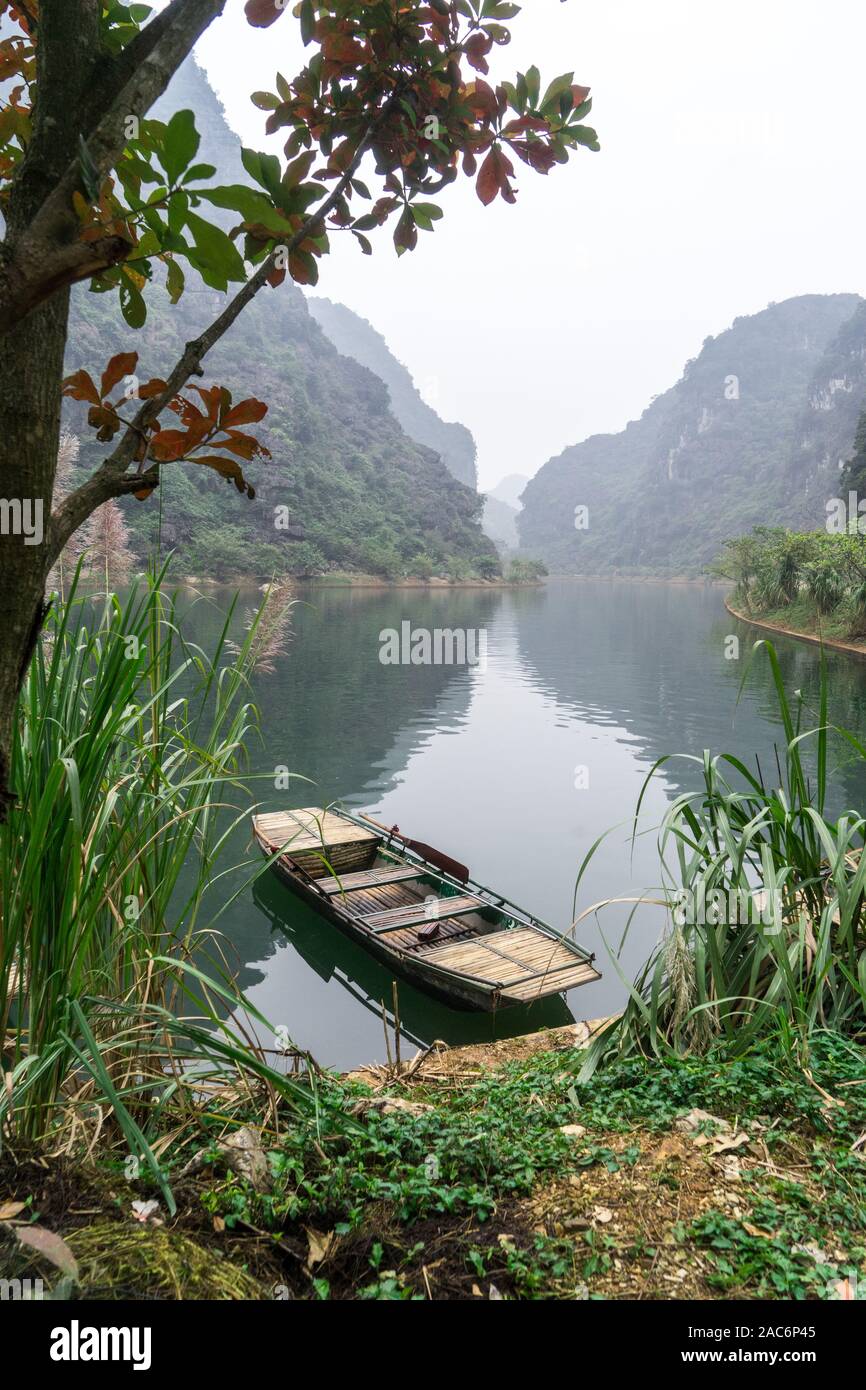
(731, 174)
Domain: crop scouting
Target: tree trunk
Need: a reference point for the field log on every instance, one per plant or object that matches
(31, 374)
(31, 359)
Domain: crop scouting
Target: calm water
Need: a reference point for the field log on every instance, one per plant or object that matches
(514, 769)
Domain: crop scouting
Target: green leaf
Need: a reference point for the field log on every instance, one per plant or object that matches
(132, 304)
(556, 88)
(180, 144)
(199, 171)
(431, 210)
(533, 86)
(585, 135)
(252, 205)
(308, 21)
(264, 168)
(214, 251)
(175, 281)
(178, 211)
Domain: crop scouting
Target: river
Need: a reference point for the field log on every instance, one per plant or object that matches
(514, 765)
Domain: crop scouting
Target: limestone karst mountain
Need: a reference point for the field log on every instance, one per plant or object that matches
(753, 433)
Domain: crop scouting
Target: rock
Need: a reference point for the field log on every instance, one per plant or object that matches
(242, 1152)
(693, 1122)
(573, 1131)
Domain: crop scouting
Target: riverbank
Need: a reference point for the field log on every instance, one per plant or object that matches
(695, 1178)
(366, 581)
(819, 636)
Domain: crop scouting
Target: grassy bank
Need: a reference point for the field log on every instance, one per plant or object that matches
(709, 1142)
(689, 1178)
(802, 619)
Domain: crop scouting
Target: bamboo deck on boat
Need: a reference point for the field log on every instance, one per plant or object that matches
(522, 961)
(307, 829)
(368, 878)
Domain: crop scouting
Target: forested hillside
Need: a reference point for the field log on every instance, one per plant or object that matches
(752, 434)
(362, 495)
(355, 337)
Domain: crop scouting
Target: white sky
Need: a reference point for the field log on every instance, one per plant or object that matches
(731, 174)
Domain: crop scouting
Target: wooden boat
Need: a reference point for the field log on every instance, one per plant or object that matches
(418, 912)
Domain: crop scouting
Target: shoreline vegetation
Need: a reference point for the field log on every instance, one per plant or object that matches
(706, 1142)
(347, 580)
(809, 585)
(818, 639)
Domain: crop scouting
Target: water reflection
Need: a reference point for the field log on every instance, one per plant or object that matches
(598, 676)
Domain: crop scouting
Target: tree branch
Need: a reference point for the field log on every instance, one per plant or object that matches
(47, 252)
(111, 478)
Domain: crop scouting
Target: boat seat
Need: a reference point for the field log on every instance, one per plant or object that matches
(414, 914)
(369, 878)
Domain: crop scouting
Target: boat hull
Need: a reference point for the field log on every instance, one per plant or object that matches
(433, 926)
(457, 994)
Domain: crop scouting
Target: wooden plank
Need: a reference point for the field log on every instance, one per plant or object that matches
(538, 989)
(521, 961)
(368, 878)
(416, 913)
(310, 828)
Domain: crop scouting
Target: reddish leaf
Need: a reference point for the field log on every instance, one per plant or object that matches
(169, 445)
(263, 13)
(105, 420)
(227, 468)
(244, 445)
(121, 365)
(580, 94)
(487, 185)
(342, 48)
(247, 412)
(303, 268)
(216, 400)
(477, 49)
(81, 387)
(481, 98)
(152, 388)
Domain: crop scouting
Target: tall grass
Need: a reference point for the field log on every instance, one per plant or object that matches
(128, 772)
(765, 896)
